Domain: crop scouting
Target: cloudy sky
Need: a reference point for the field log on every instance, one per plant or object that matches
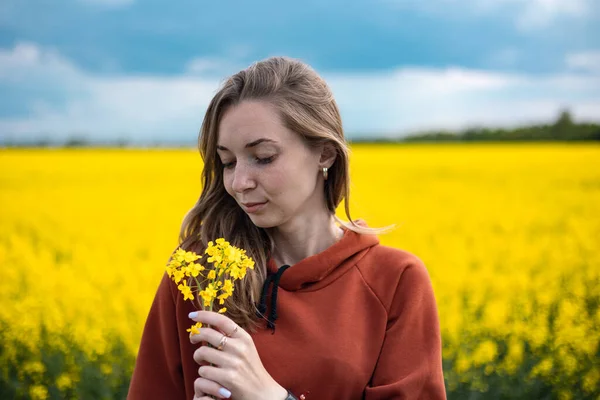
(145, 70)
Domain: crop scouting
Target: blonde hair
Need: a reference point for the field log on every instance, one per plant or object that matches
(307, 107)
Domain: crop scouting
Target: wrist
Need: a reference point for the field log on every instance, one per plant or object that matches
(281, 393)
(274, 392)
(290, 396)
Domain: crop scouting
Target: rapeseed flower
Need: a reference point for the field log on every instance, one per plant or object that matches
(229, 263)
(195, 329)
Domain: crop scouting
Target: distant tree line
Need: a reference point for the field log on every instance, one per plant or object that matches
(563, 129)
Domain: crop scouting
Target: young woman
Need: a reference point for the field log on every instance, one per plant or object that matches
(328, 312)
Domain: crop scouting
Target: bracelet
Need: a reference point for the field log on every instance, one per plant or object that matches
(290, 396)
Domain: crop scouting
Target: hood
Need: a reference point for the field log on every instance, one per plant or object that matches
(317, 270)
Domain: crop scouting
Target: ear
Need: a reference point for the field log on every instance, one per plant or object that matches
(328, 155)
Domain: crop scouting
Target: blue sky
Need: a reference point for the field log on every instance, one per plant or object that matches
(145, 70)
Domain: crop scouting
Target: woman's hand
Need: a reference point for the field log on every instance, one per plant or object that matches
(237, 366)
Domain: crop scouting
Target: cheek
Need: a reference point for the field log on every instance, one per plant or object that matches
(291, 184)
(227, 179)
(273, 181)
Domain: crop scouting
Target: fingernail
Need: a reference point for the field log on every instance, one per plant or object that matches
(225, 393)
(193, 314)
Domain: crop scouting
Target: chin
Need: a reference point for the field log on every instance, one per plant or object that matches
(265, 221)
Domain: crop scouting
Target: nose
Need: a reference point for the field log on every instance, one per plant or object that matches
(242, 179)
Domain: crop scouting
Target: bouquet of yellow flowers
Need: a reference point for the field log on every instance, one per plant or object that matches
(206, 285)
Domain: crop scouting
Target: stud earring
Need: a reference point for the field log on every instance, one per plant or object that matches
(325, 173)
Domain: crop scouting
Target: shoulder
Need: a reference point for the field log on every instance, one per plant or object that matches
(385, 268)
(389, 261)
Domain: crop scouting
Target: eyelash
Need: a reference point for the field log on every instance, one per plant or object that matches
(261, 161)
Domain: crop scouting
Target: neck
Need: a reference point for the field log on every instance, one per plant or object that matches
(305, 237)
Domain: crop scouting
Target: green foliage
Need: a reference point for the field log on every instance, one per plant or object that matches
(107, 376)
(563, 129)
(62, 370)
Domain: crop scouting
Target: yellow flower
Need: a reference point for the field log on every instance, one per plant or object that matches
(193, 269)
(197, 268)
(223, 310)
(179, 253)
(34, 367)
(229, 263)
(38, 392)
(486, 352)
(236, 272)
(190, 256)
(106, 369)
(178, 275)
(208, 294)
(186, 291)
(216, 258)
(64, 382)
(176, 263)
(233, 255)
(590, 380)
(227, 287)
(247, 263)
(543, 368)
(195, 329)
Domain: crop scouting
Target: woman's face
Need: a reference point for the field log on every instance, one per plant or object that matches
(268, 169)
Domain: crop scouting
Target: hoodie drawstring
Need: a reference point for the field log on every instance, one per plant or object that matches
(262, 306)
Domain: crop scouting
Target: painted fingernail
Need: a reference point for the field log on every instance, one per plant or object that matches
(225, 393)
(193, 314)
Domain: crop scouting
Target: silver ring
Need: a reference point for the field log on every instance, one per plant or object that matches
(222, 343)
(234, 331)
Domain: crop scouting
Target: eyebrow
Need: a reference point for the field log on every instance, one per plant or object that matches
(249, 145)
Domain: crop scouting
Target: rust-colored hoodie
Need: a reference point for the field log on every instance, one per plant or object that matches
(356, 321)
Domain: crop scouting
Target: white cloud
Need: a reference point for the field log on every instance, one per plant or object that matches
(540, 13)
(585, 61)
(527, 14)
(398, 101)
(27, 60)
(423, 99)
(137, 107)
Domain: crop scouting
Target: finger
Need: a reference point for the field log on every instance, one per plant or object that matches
(219, 321)
(211, 336)
(205, 387)
(198, 395)
(218, 375)
(212, 356)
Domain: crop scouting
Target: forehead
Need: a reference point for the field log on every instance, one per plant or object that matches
(252, 120)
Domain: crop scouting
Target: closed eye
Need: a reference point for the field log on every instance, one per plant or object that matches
(266, 160)
(258, 160)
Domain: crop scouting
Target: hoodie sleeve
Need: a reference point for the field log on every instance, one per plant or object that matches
(410, 363)
(158, 369)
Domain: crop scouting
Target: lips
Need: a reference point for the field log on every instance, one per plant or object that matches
(253, 204)
(253, 207)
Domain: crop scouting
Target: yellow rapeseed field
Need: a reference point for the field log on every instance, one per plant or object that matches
(509, 233)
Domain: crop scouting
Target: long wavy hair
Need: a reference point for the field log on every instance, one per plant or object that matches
(307, 107)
